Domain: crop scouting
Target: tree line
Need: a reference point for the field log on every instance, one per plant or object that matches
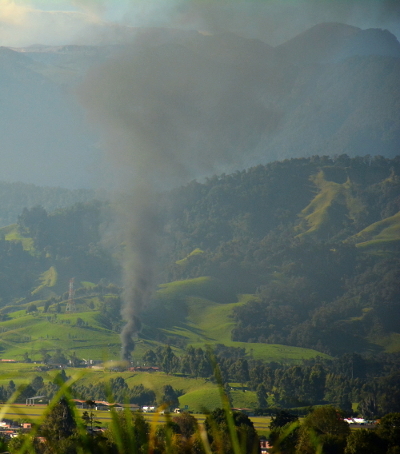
(372, 381)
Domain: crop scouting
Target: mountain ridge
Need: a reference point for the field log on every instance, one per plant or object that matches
(339, 99)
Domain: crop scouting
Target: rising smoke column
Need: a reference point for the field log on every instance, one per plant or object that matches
(168, 115)
(142, 232)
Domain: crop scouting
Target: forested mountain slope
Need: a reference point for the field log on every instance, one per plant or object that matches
(302, 252)
(317, 239)
(14, 197)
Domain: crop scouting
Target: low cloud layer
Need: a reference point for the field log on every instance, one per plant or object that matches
(94, 22)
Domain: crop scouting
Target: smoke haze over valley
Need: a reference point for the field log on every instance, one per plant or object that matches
(294, 92)
(143, 97)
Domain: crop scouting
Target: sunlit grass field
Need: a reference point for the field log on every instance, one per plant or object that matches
(208, 322)
(32, 333)
(203, 321)
(198, 394)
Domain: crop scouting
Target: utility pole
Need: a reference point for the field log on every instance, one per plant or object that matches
(71, 303)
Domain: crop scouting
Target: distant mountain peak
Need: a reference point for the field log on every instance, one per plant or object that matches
(331, 41)
(373, 41)
(327, 30)
(318, 42)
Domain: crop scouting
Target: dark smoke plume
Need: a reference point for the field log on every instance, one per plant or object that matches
(141, 235)
(169, 115)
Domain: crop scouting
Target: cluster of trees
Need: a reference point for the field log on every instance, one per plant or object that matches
(17, 271)
(70, 239)
(7, 391)
(292, 314)
(114, 390)
(14, 197)
(373, 381)
(67, 240)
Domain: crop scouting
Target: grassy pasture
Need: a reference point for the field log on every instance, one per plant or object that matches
(200, 320)
(48, 279)
(209, 322)
(33, 332)
(322, 211)
(391, 342)
(195, 252)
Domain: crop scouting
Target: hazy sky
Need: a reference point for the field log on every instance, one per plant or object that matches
(59, 22)
(25, 22)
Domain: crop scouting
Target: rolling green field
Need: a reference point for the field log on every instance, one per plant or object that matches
(199, 321)
(200, 395)
(202, 321)
(210, 322)
(31, 333)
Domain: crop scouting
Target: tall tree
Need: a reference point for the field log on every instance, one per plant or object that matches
(60, 422)
(323, 429)
(364, 441)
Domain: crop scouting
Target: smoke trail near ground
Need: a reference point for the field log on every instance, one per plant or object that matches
(140, 259)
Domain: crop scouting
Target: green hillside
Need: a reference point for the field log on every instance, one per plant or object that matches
(269, 260)
(33, 333)
(83, 332)
(209, 322)
(380, 236)
(290, 288)
(333, 205)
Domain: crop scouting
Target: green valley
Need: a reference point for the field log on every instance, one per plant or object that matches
(280, 285)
